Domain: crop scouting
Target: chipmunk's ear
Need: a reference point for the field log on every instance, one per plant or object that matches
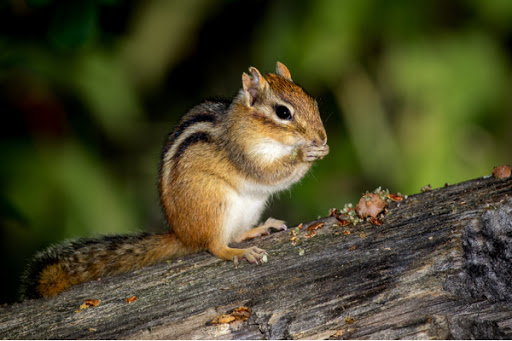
(283, 71)
(254, 86)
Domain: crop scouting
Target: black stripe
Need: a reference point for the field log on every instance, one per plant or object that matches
(200, 136)
(193, 120)
(181, 127)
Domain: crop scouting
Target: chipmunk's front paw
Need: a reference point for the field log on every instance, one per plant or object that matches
(312, 152)
(263, 229)
(275, 224)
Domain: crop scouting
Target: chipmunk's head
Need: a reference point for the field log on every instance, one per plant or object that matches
(283, 109)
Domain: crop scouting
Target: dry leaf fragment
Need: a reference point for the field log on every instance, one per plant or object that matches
(395, 197)
(222, 319)
(349, 320)
(315, 226)
(131, 299)
(92, 303)
(310, 234)
(82, 307)
(501, 172)
(241, 313)
(342, 222)
(311, 230)
(376, 221)
(338, 333)
(370, 205)
(238, 314)
(87, 304)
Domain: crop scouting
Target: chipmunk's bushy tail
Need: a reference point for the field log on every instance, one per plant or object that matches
(64, 265)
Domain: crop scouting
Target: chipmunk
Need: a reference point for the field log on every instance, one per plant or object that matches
(217, 171)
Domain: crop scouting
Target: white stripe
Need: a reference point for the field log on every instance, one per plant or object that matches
(167, 159)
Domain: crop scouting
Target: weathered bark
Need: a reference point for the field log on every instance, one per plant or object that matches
(439, 267)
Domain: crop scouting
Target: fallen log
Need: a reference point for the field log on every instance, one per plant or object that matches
(440, 266)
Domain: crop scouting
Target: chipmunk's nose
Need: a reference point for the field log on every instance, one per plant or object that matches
(321, 139)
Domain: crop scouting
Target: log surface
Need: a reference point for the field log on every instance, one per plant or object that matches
(439, 267)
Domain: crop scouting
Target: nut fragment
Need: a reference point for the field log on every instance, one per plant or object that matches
(501, 172)
(370, 205)
(294, 153)
(294, 239)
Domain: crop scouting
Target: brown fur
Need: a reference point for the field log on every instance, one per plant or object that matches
(62, 266)
(218, 168)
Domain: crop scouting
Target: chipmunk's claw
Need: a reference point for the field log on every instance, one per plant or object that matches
(252, 255)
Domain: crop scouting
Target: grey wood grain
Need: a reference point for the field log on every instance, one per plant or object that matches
(439, 267)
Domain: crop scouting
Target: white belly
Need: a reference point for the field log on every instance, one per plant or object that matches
(243, 211)
(244, 207)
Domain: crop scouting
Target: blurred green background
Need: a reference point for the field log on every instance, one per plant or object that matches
(411, 93)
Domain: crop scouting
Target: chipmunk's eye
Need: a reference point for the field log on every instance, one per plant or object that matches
(283, 112)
